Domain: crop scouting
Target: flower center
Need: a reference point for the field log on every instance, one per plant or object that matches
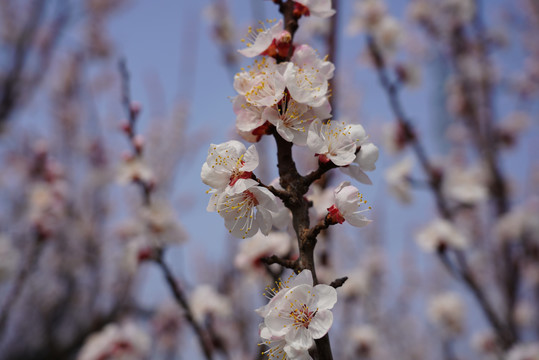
(302, 316)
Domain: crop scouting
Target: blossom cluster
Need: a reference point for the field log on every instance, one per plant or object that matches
(297, 314)
(290, 99)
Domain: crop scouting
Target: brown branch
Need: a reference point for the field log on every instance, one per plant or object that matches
(287, 263)
(179, 296)
(337, 283)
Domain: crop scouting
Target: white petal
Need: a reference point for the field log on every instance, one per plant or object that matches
(367, 157)
(321, 323)
(326, 295)
(250, 158)
(300, 339)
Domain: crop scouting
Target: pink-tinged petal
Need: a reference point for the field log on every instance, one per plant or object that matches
(323, 111)
(278, 324)
(240, 186)
(264, 332)
(299, 339)
(304, 277)
(347, 199)
(314, 140)
(343, 156)
(354, 171)
(272, 115)
(300, 138)
(357, 220)
(263, 41)
(320, 324)
(285, 132)
(263, 218)
(319, 8)
(357, 133)
(250, 158)
(326, 295)
(295, 354)
(212, 204)
(249, 118)
(367, 157)
(264, 197)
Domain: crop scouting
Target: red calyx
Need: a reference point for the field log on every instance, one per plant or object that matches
(301, 10)
(335, 215)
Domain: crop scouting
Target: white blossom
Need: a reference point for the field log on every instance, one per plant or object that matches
(263, 84)
(277, 292)
(302, 315)
(247, 212)
(335, 141)
(348, 201)
(441, 234)
(446, 310)
(292, 119)
(229, 167)
(319, 8)
(307, 77)
(117, 342)
(258, 40)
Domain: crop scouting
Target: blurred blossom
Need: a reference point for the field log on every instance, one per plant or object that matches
(154, 226)
(394, 137)
(252, 250)
(485, 342)
(388, 34)
(132, 169)
(447, 312)
(512, 127)
(359, 283)
(167, 324)
(520, 223)
(364, 340)
(322, 199)
(409, 74)
(420, 11)
(367, 15)
(206, 301)
(529, 351)
(9, 258)
(398, 179)
(440, 235)
(524, 313)
(465, 185)
(461, 11)
(117, 342)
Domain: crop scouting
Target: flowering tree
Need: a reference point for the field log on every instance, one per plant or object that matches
(80, 255)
